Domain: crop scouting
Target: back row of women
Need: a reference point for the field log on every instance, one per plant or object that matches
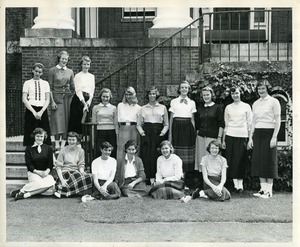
(235, 128)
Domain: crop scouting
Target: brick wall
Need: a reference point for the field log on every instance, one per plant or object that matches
(159, 71)
(281, 26)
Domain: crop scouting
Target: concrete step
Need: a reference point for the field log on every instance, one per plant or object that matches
(14, 184)
(15, 158)
(15, 146)
(16, 172)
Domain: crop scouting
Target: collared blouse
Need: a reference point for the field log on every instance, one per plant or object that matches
(181, 109)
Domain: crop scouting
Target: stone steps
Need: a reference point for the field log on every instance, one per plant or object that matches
(16, 170)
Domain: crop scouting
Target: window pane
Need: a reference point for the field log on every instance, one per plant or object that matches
(259, 16)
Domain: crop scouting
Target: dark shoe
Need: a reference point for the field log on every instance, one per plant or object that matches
(14, 192)
(19, 196)
(196, 194)
(240, 191)
(235, 191)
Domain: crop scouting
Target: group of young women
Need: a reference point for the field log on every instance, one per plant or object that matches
(129, 137)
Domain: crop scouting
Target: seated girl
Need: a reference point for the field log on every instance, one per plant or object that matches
(104, 170)
(169, 183)
(214, 175)
(70, 167)
(130, 174)
(39, 162)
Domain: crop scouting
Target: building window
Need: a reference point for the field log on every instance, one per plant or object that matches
(284, 134)
(138, 14)
(259, 16)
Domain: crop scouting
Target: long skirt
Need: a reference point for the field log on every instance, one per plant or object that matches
(183, 140)
(201, 145)
(264, 158)
(236, 155)
(126, 133)
(76, 181)
(76, 113)
(107, 136)
(149, 144)
(168, 190)
(113, 191)
(36, 182)
(211, 194)
(138, 190)
(31, 123)
(60, 117)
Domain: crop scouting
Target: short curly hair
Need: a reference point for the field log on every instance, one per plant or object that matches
(213, 142)
(40, 131)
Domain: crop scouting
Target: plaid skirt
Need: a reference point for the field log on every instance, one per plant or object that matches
(76, 181)
(168, 190)
(183, 140)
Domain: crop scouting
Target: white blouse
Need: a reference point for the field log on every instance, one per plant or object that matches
(84, 82)
(182, 109)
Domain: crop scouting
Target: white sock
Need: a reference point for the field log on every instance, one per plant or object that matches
(236, 183)
(26, 195)
(63, 143)
(240, 182)
(202, 194)
(263, 186)
(57, 144)
(270, 185)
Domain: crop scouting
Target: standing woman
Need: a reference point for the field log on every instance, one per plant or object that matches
(36, 98)
(70, 167)
(105, 116)
(39, 162)
(263, 138)
(61, 80)
(128, 111)
(209, 124)
(238, 117)
(182, 127)
(153, 124)
(84, 89)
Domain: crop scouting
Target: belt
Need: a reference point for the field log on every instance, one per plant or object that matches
(127, 123)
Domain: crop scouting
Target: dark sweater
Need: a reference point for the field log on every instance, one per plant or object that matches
(208, 120)
(39, 161)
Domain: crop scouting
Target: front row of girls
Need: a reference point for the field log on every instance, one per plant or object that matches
(109, 181)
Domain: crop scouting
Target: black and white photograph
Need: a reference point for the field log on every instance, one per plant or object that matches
(149, 124)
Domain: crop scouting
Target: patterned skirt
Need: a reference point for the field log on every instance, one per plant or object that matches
(183, 140)
(168, 190)
(77, 182)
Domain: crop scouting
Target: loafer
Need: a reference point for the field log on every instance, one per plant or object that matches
(196, 194)
(14, 192)
(19, 196)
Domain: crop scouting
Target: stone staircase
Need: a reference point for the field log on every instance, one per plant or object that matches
(16, 170)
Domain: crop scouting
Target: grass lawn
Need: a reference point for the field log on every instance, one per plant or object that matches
(277, 209)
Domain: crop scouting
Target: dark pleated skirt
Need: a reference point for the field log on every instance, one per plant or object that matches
(149, 144)
(107, 136)
(211, 194)
(264, 159)
(183, 140)
(236, 155)
(76, 113)
(31, 123)
(139, 190)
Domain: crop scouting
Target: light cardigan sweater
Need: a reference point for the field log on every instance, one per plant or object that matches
(169, 169)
